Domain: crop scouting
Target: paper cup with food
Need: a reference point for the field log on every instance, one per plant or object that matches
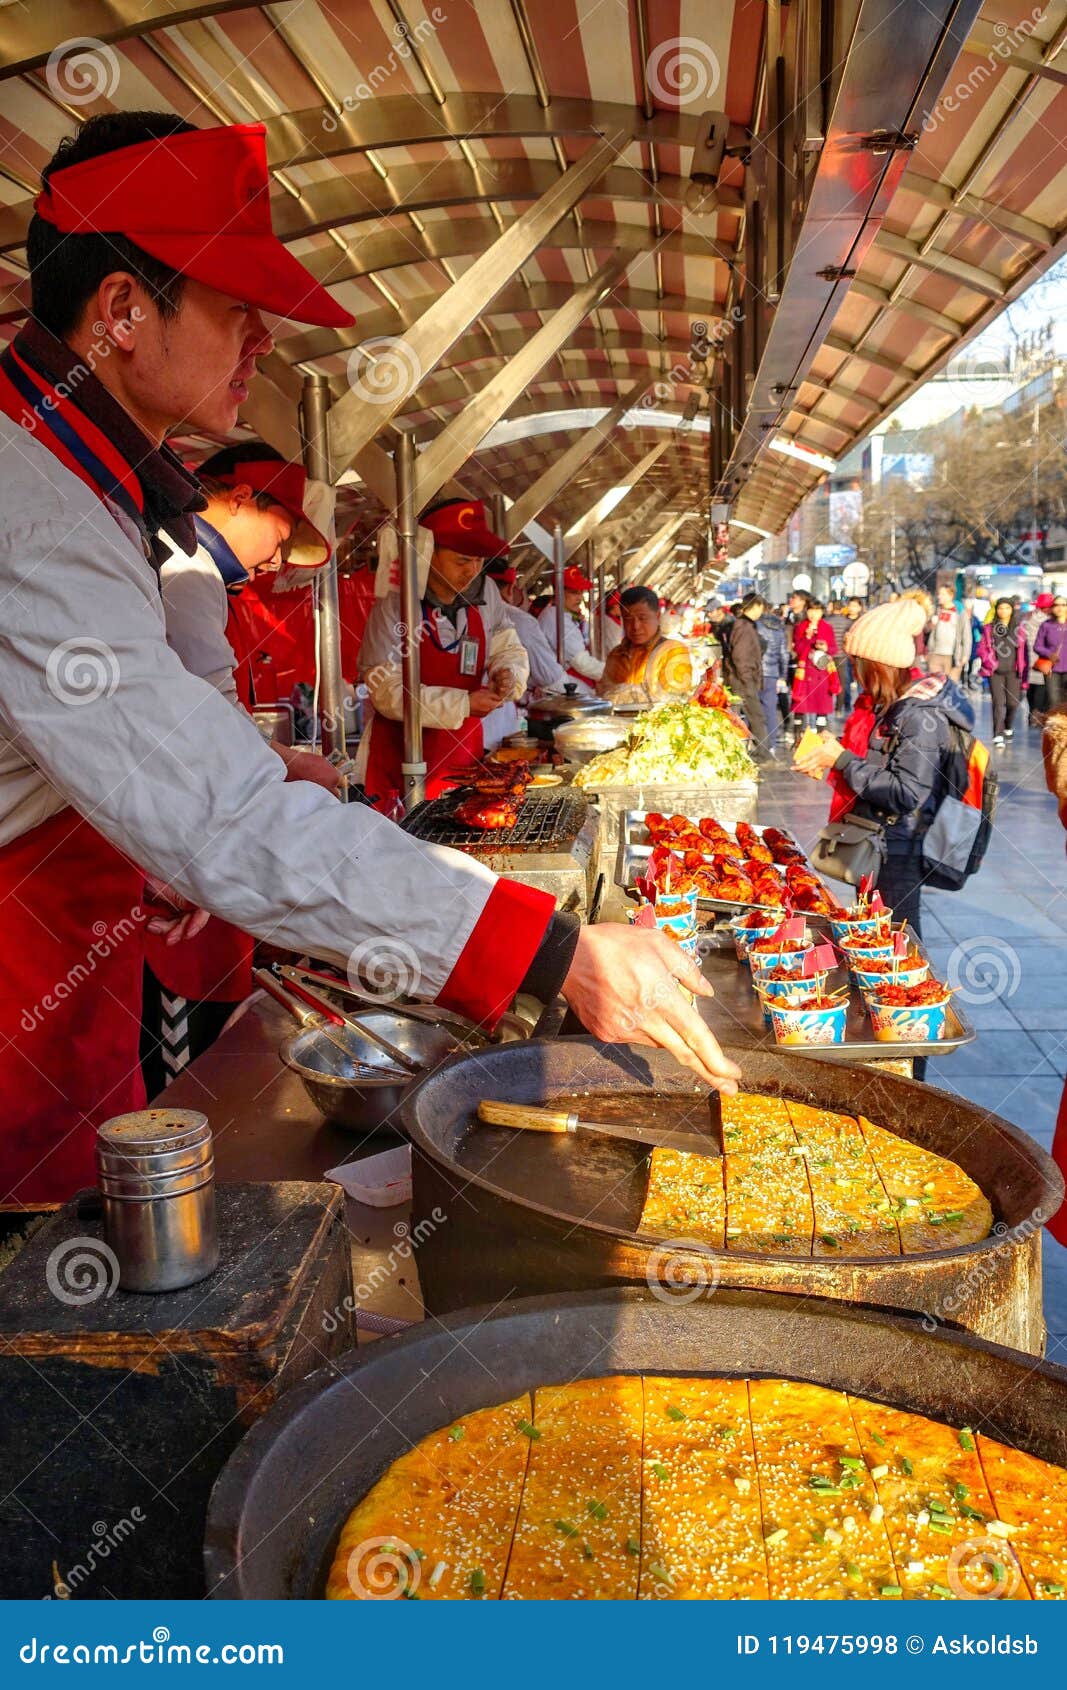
(909, 1014)
(909, 970)
(818, 1019)
(758, 924)
(783, 947)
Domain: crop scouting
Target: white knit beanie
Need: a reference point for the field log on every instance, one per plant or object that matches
(887, 633)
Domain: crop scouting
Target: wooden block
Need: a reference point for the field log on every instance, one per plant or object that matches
(701, 1531)
(581, 1506)
(438, 1525)
(816, 1495)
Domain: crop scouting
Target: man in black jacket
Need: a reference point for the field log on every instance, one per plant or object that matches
(743, 670)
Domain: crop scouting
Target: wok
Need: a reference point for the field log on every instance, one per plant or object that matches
(278, 1505)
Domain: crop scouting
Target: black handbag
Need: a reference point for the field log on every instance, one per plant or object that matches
(850, 850)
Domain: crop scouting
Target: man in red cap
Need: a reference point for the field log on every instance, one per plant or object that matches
(579, 662)
(471, 661)
(151, 261)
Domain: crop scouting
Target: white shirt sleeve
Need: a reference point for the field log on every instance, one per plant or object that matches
(194, 604)
(545, 673)
(168, 771)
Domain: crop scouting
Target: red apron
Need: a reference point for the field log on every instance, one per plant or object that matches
(443, 750)
(216, 966)
(70, 1005)
(1057, 1225)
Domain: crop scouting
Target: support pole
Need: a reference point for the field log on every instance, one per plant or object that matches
(314, 405)
(602, 611)
(413, 767)
(557, 565)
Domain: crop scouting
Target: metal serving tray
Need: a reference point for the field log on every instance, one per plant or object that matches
(635, 848)
(735, 1012)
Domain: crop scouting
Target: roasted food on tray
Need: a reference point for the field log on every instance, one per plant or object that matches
(495, 795)
(806, 1182)
(488, 813)
(742, 867)
(668, 1488)
(808, 892)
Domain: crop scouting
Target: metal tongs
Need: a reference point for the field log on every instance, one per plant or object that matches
(326, 1019)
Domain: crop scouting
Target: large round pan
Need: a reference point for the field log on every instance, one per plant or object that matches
(278, 1505)
(527, 1214)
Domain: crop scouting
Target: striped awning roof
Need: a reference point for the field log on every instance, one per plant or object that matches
(405, 135)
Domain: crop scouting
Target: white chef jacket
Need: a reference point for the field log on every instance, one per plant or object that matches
(381, 663)
(576, 653)
(545, 673)
(97, 712)
(196, 610)
(612, 635)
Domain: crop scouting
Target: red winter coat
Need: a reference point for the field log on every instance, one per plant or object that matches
(814, 689)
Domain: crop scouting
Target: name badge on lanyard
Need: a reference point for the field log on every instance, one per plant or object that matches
(468, 656)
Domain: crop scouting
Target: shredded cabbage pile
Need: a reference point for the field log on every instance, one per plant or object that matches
(673, 745)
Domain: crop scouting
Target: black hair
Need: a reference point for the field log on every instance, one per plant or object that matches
(631, 596)
(66, 270)
(441, 505)
(751, 600)
(497, 566)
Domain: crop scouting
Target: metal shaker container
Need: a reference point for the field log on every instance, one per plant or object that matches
(156, 1171)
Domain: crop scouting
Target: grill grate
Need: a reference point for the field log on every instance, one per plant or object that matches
(547, 822)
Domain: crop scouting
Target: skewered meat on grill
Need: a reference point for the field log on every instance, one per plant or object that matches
(488, 812)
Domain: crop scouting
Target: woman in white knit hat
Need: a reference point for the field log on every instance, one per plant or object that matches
(899, 781)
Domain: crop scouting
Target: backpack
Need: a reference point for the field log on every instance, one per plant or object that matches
(955, 843)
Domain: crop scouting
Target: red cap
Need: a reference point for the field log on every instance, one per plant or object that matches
(200, 202)
(306, 548)
(1044, 601)
(461, 527)
(504, 574)
(574, 581)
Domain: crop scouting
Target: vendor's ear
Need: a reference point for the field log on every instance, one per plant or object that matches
(241, 494)
(119, 309)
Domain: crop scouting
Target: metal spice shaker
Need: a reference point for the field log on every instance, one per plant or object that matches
(156, 1170)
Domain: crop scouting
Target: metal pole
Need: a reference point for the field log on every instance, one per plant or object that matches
(413, 767)
(557, 565)
(314, 405)
(602, 610)
(1036, 435)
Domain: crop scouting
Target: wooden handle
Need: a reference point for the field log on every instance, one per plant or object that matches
(525, 1117)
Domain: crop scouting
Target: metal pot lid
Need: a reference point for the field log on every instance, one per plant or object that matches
(564, 707)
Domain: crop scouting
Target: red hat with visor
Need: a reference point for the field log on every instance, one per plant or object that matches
(286, 485)
(199, 202)
(460, 526)
(574, 581)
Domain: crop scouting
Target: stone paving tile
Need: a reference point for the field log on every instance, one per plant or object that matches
(998, 1051)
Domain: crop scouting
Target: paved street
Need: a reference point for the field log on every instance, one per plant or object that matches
(1007, 930)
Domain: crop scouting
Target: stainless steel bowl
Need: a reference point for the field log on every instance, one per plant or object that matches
(581, 741)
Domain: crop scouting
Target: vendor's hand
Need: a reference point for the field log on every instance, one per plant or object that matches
(623, 987)
(174, 916)
(485, 700)
(820, 757)
(308, 765)
(503, 682)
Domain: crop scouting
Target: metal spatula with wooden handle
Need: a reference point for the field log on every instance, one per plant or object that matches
(527, 1117)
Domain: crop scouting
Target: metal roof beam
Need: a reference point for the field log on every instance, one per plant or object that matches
(30, 34)
(908, 307)
(878, 360)
(1023, 54)
(356, 418)
(410, 120)
(942, 264)
(559, 474)
(511, 300)
(644, 560)
(454, 445)
(587, 523)
(972, 205)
